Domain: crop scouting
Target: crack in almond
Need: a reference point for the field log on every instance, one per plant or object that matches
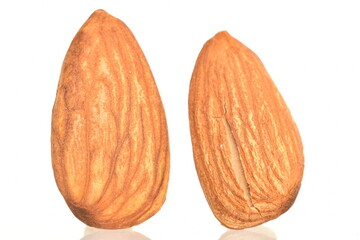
(237, 164)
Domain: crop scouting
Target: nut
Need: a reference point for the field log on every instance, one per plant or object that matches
(110, 150)
(247, 149)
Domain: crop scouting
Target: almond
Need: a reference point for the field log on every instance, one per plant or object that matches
(247, 149)
(110, 149)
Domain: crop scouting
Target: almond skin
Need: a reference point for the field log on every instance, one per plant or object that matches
(247, 149)
(109, 139)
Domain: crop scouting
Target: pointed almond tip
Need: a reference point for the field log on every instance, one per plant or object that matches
(222, 34)
(100, 13)
(223, 41)
(102, 18)
(220, 42)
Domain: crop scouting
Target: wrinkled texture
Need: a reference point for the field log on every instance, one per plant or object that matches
(247, 148)
(110, 150)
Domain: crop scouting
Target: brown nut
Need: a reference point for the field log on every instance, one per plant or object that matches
(247, 149)
(110, 150)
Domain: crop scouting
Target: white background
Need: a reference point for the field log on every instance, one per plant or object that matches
(310, 48)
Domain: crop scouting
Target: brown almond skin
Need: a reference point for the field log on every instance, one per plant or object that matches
(109, 139)
(247, 149)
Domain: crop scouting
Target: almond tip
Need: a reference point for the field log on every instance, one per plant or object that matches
(223, 33)
(100, 11)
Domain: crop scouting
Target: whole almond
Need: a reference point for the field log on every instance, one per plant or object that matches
(247, 149)
(110, 150)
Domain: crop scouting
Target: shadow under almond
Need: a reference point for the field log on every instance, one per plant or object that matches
(91, 233)
(254, 233)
